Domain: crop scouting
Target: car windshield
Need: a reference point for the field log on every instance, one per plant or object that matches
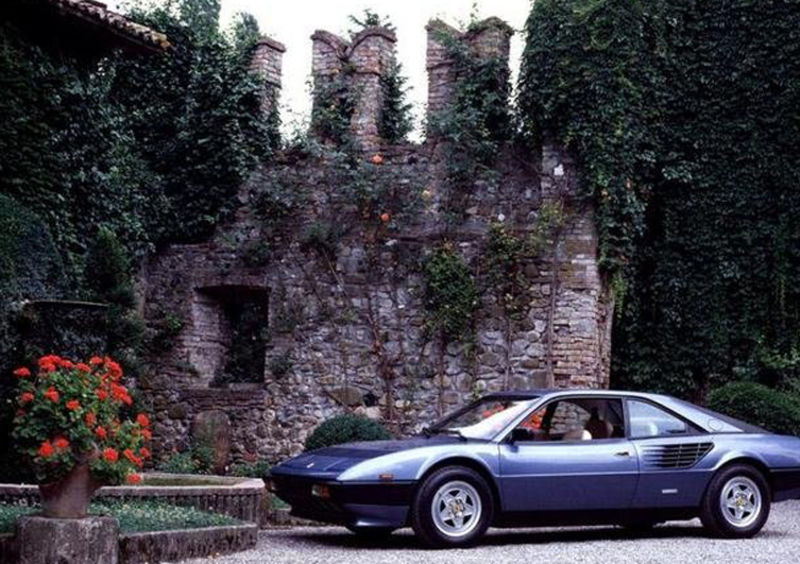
(483, 419)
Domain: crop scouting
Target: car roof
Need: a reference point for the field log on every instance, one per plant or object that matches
(550, 392)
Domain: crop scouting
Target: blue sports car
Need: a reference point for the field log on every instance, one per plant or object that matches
(550, 457)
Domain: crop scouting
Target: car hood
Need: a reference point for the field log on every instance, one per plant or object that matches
(333, 460)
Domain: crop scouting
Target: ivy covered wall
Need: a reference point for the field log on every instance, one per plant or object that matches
(685, 117)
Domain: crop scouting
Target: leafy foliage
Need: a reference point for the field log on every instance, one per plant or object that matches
(757, 404)
(450, 294)
(505, 261)
(344, 429)
(685, 119)
(250, 470)
(335, 101)
(477, 121)
(395, 118)
(199, 459)
(198, 120)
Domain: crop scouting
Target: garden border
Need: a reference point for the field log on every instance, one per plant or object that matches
(240, 498)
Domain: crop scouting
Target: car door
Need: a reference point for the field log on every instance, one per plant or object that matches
(569, 473)
(669, 449)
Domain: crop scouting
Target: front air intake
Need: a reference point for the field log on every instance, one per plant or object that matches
(683, 455)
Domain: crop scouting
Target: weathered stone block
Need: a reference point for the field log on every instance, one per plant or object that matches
(93, 540)
(213, 428)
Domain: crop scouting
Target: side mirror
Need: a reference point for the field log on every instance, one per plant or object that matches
(519, 435)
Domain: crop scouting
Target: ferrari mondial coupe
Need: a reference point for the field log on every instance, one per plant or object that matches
(545, 458)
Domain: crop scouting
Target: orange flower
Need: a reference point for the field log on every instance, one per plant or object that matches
(100, 432)
(101, 394)
(114, 369)
(49, 359)
(61, 442)
(52, 394)
(120, 393)
(65, 363)
(147, 434)
(110, 455)
(83, 367)
(377, 159)
(46, 450)
(26, 397)
(72, 405)
(90, 419)
(48, 367)
(142, 420)
(22, 372)
(145, 452)
(132, 457)
(133, 478)
(95, 360)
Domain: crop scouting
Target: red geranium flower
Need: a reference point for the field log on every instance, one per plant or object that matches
(65, 363)
(100, 432)
(49, 359)
(61, 442)
(22, 372)
(90, 419)
(48, 367)
(145, 452)
(114, 369)
(46, 450)
(26, 397)
(142, 420)
(95, 360)
(83, 367)
(72, 405)
(133, 478)
(52, 394)
(101, 394)
(110, 455)
(147, 434)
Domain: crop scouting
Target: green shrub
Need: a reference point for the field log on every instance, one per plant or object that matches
(344, 429)
(754, 403)
(250, 470)
(198, 460)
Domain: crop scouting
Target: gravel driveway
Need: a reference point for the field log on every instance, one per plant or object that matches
(672, 543)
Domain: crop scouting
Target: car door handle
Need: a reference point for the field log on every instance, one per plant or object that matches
(623, 453)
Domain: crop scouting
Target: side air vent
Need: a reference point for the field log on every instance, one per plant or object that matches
(675, 456)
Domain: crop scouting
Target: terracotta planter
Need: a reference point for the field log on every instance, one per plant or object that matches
(69, 497)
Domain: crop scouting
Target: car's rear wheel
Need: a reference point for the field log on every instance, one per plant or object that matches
(736, 503)
(453, 508)
(371, 533)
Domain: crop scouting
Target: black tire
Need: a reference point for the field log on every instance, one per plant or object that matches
(371, 534)
(711, 512)
(422, 518)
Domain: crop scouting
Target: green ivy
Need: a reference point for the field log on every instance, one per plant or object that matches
(476, 122)
(450, 296)
(685, 118)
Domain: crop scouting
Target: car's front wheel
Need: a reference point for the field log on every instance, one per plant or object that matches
(453, 508)
(736, 503)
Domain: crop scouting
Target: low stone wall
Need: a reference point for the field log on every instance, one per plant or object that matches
(170, 546)
(165, 546)
(241, 498)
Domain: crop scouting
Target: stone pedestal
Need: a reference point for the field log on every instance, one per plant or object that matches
(93, 540)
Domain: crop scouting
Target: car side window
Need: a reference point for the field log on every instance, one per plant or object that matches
(574, 419)
(647, 420)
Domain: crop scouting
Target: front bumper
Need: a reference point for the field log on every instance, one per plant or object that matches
(357, 504)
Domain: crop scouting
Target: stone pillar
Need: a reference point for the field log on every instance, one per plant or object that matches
(371, 54)
(490, 38)
(439, 66)
(267, 62)
(42, 540)
(328, 52)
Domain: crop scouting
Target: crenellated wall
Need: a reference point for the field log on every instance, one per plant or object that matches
(344, 319)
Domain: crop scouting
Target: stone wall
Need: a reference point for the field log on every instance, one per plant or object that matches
(339, 267)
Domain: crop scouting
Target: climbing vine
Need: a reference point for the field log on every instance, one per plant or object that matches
(684, 117)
